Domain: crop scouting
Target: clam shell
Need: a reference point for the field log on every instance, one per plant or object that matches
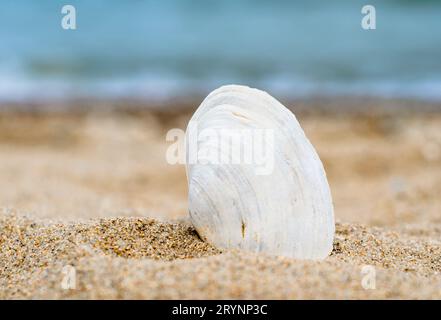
(285, 211)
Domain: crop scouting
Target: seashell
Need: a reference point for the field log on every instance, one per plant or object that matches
(286, 211)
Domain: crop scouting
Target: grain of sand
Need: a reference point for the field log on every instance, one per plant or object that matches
(79, 193)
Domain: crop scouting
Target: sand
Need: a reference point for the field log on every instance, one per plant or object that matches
(88, 196)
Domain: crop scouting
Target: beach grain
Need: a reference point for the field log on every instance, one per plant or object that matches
(91, 193)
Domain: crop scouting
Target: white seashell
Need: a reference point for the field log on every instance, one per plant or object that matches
(288, 212)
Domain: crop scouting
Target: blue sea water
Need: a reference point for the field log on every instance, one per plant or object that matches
(156, 49)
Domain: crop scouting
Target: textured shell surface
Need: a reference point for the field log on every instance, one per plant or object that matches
(283, 210)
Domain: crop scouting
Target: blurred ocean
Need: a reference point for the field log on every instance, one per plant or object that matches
(158, 49)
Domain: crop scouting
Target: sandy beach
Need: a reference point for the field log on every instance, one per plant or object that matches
(90, 190)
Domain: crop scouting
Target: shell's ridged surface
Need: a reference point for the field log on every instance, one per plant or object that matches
(288, 212)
